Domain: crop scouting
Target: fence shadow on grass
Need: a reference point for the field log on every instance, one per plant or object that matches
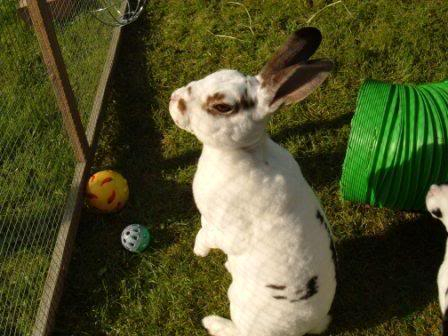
(133, 147)
(154, 200)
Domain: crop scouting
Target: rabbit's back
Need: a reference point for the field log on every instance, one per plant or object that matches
(260, 202)
(260, 195)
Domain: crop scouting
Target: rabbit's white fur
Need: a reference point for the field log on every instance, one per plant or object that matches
(257, 208)
(437, 205)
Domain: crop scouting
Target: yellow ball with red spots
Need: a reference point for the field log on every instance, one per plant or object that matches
(107, 191)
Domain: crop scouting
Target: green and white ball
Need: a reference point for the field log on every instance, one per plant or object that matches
(135, 238)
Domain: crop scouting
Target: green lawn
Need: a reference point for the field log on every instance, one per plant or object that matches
(36, 161)
(387, 260)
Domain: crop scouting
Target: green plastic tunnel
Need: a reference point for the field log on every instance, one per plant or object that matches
(398, 144)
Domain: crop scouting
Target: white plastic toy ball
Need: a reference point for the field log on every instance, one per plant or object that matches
(116, 13)
(135, 238)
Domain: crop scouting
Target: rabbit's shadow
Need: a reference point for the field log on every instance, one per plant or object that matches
(389, 275)
(323, 168)
(313, 125)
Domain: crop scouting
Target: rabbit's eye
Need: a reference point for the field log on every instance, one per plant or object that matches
(223, 108)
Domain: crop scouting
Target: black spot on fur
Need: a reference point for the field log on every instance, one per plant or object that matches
(311, 288)
(437, 213)
(247, 102)
(279, 297)
(333, 250)
(320, 217)
(276, 286)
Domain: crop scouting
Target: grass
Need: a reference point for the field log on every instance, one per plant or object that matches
(388, 260)
(36, 161)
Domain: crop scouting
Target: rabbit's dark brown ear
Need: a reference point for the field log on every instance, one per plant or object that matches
(296, 82)
(290, 76)
(297, 49)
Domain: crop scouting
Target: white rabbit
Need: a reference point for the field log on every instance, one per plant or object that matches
(254, 202)
(437, 205)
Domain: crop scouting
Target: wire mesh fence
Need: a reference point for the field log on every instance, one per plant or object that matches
(84, 42)
(36, 162)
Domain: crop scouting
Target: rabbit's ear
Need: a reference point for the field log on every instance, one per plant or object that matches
(292, 84)
(289, 76)
(295, 83)
(297, 49)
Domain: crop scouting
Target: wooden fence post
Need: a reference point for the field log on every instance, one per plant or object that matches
(85, 142)
(46, 35)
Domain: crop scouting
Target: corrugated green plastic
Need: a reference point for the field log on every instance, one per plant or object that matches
(397, 144)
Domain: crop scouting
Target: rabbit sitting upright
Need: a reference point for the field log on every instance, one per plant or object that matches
(254, 202)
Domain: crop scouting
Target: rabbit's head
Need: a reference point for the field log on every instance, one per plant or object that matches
(230, 109)
(437, 202)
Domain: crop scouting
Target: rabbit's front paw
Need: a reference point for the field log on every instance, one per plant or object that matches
(219, 326)
(201, 249)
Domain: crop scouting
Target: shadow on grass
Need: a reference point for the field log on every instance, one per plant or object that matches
(389, 275)
(138, 144)
(312, 126)
(393, 274)
(324, 168)
(100, 265)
